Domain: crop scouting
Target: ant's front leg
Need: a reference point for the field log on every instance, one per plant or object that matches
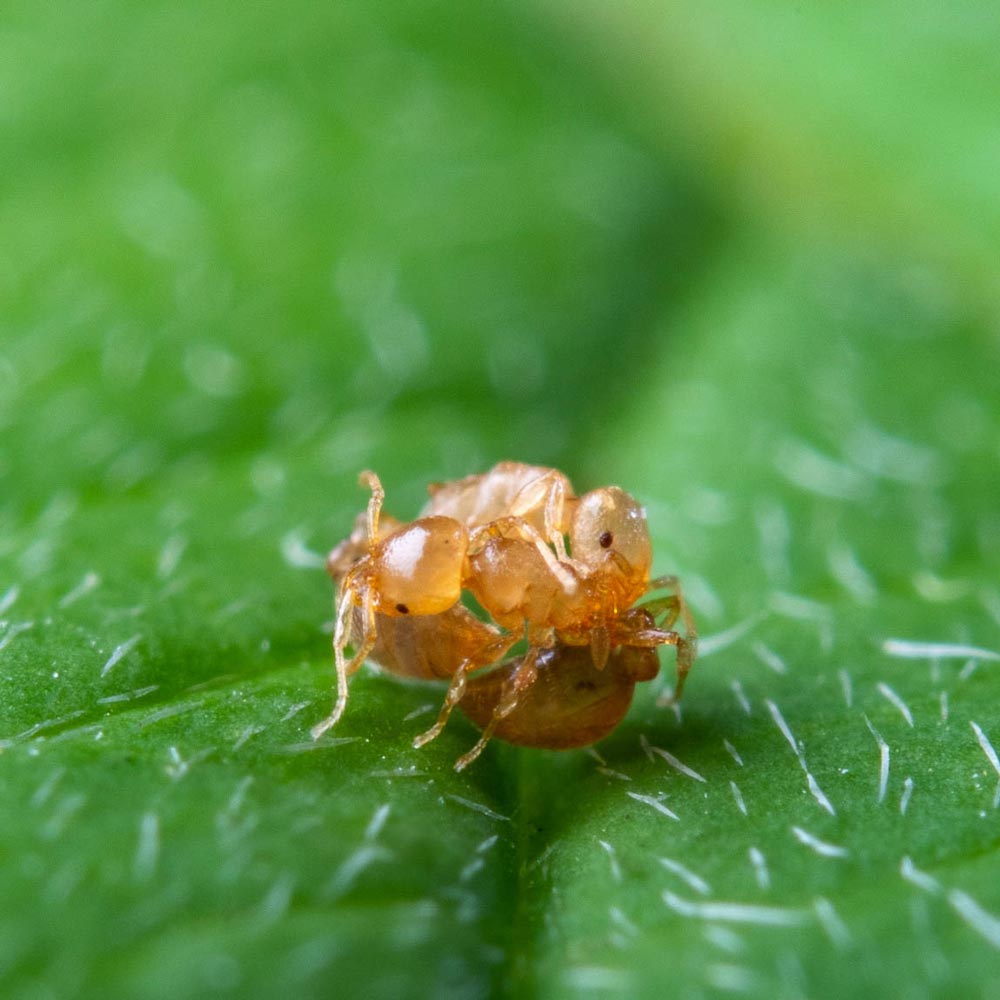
(669, 607)
(686, 650)
(683, 610)
(341, 638)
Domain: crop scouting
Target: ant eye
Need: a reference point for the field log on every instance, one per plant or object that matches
(402, 609)
(606, 539)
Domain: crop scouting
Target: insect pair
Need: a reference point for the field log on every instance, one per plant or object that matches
(502, 538)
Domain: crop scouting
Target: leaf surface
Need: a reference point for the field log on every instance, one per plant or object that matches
(245, 258)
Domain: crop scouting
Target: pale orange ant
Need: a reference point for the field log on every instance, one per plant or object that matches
(400, 593)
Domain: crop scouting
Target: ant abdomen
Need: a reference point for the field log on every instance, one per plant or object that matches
(570, 703)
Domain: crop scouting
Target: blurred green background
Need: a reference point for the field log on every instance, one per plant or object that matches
(741, 259)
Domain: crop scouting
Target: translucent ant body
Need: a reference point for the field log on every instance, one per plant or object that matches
(500, 536)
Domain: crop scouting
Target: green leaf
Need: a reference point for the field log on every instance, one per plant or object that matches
(247, 254)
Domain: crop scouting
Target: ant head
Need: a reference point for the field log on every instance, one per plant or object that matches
(609, 529)
(418, 569)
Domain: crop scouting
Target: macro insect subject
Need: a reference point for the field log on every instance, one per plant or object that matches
(569, 575)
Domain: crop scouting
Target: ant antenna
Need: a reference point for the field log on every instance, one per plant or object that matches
(369, 479)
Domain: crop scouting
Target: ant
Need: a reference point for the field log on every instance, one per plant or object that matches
(401, 593)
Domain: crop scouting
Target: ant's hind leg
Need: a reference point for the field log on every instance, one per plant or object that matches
(492, 652)
(341, 637)
(523, 678)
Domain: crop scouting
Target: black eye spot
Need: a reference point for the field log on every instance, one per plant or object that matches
(402, 609)
(606, 539)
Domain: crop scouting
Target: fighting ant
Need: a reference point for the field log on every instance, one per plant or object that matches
(400, 594)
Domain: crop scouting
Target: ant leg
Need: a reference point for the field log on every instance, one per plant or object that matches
(668, 582)
(341, 637)
(668, 606)
(690, 629)
(506, 527)
(686, 651)
(547, 493)
(600, 646)
(369, 479)
(490, 653)
(525, 676)
(650, 638)
(555, 512)
(345, 606)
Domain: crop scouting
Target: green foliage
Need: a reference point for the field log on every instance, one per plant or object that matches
(739, 263)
